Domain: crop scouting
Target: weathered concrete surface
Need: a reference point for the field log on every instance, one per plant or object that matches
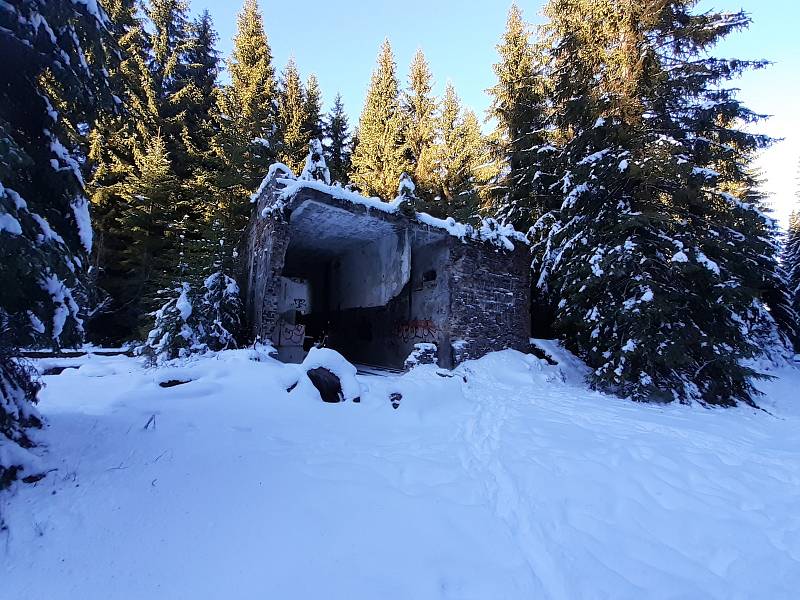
(267, 240)
(382, 282)
(371, 258)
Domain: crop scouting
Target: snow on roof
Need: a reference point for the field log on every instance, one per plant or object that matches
(338, 193)
(490, 230)
(274, 168)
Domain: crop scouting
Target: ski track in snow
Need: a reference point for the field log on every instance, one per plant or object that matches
(518, 483)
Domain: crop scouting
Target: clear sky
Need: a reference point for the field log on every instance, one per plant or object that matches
(339, 41)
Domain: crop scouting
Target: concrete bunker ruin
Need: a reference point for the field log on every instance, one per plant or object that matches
(372, 279)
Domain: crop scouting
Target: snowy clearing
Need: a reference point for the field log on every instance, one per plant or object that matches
(516, 483)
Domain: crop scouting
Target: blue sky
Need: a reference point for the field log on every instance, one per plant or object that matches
(339, 40)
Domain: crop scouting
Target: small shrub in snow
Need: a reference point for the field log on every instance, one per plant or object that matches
(219, 312)
(315, 167)
(193, 322)
(18, 388)
(173, 334)
(406, 196)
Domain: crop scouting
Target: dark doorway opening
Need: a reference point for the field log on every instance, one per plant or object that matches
(362, 286)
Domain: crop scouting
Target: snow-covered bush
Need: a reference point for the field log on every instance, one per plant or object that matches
(18, 388)
(499, 235)
(406, 195)
(219, 312)
(194, 322)
(406, 187)
(174, 334)
(315, 167)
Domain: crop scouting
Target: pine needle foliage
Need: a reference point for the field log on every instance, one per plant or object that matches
(419, 125)
(338, 142)
(658, 260)
(53, 83)
(517, 192)
(292, 118)
(379, 158)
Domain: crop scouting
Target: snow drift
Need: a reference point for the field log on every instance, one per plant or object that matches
(503, 479)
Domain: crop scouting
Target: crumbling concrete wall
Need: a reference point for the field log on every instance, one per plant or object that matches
(428, 319)
(371, 274)
(267, 240)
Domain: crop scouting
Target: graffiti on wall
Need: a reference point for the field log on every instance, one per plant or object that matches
(292, 335)
(288, 334)
(416, 330)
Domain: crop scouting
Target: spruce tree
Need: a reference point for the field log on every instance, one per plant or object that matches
(379, 158)
(457, 157)
(164, 215)
(517, 191)
(201, 125)
(759, 265)
(159, 186)
(219, 311)
(200, 77)
(655, 270)
(53, 74)
(219, 308)
(150, 260)
(247, 135)
(193, 321)
(337, 146)
(121, 132)
(419, 127)
(313, 109)
(249, 106)
(168, 31)
(178, 72)
(174, 333)
(169, 43)
(252, 73)
(292, 118)
(791, 260)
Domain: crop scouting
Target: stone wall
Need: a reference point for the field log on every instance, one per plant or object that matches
(267, 240)
(490, 299)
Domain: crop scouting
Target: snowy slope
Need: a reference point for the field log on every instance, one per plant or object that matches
(516, 483)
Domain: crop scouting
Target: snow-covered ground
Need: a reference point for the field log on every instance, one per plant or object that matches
(509, 480)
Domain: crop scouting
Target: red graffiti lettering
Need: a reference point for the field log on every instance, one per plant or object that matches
(415, 329)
